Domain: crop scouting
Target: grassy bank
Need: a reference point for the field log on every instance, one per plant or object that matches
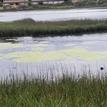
(67, 4)
(63, 93)
(29, 27)
(40, 7)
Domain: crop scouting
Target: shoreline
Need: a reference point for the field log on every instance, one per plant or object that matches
(62, 6)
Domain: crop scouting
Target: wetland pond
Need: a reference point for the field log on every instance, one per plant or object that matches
(55, 15)
(51, 57)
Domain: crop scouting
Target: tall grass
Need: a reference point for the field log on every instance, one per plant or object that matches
(29, 27)
(66, 92)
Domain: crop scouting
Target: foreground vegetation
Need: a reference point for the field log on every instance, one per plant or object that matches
(66, 92)
(30, 27)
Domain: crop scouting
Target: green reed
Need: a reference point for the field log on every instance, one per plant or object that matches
(28, 27)
(65, 92)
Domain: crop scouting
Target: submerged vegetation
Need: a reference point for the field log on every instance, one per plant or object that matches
(66, 92)
(30, 27)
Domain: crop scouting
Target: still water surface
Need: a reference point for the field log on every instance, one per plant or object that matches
(55, 15)
(51, 57)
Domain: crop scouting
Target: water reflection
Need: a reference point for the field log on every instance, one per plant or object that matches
(53, 56)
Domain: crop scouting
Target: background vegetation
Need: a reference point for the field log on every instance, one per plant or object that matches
(29, 27)
(66, 4)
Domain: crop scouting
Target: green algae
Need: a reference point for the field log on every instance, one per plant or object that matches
(74, 53)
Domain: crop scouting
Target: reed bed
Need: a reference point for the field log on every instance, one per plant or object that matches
(85, 91)
(66, 92)
(28, 27)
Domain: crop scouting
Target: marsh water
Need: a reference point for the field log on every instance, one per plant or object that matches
(55, 15)
(51, 57)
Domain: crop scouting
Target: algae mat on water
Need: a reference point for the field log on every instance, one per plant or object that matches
(36, 56)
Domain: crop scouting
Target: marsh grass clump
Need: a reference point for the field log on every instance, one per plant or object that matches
(66, 92)
(40, 29)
